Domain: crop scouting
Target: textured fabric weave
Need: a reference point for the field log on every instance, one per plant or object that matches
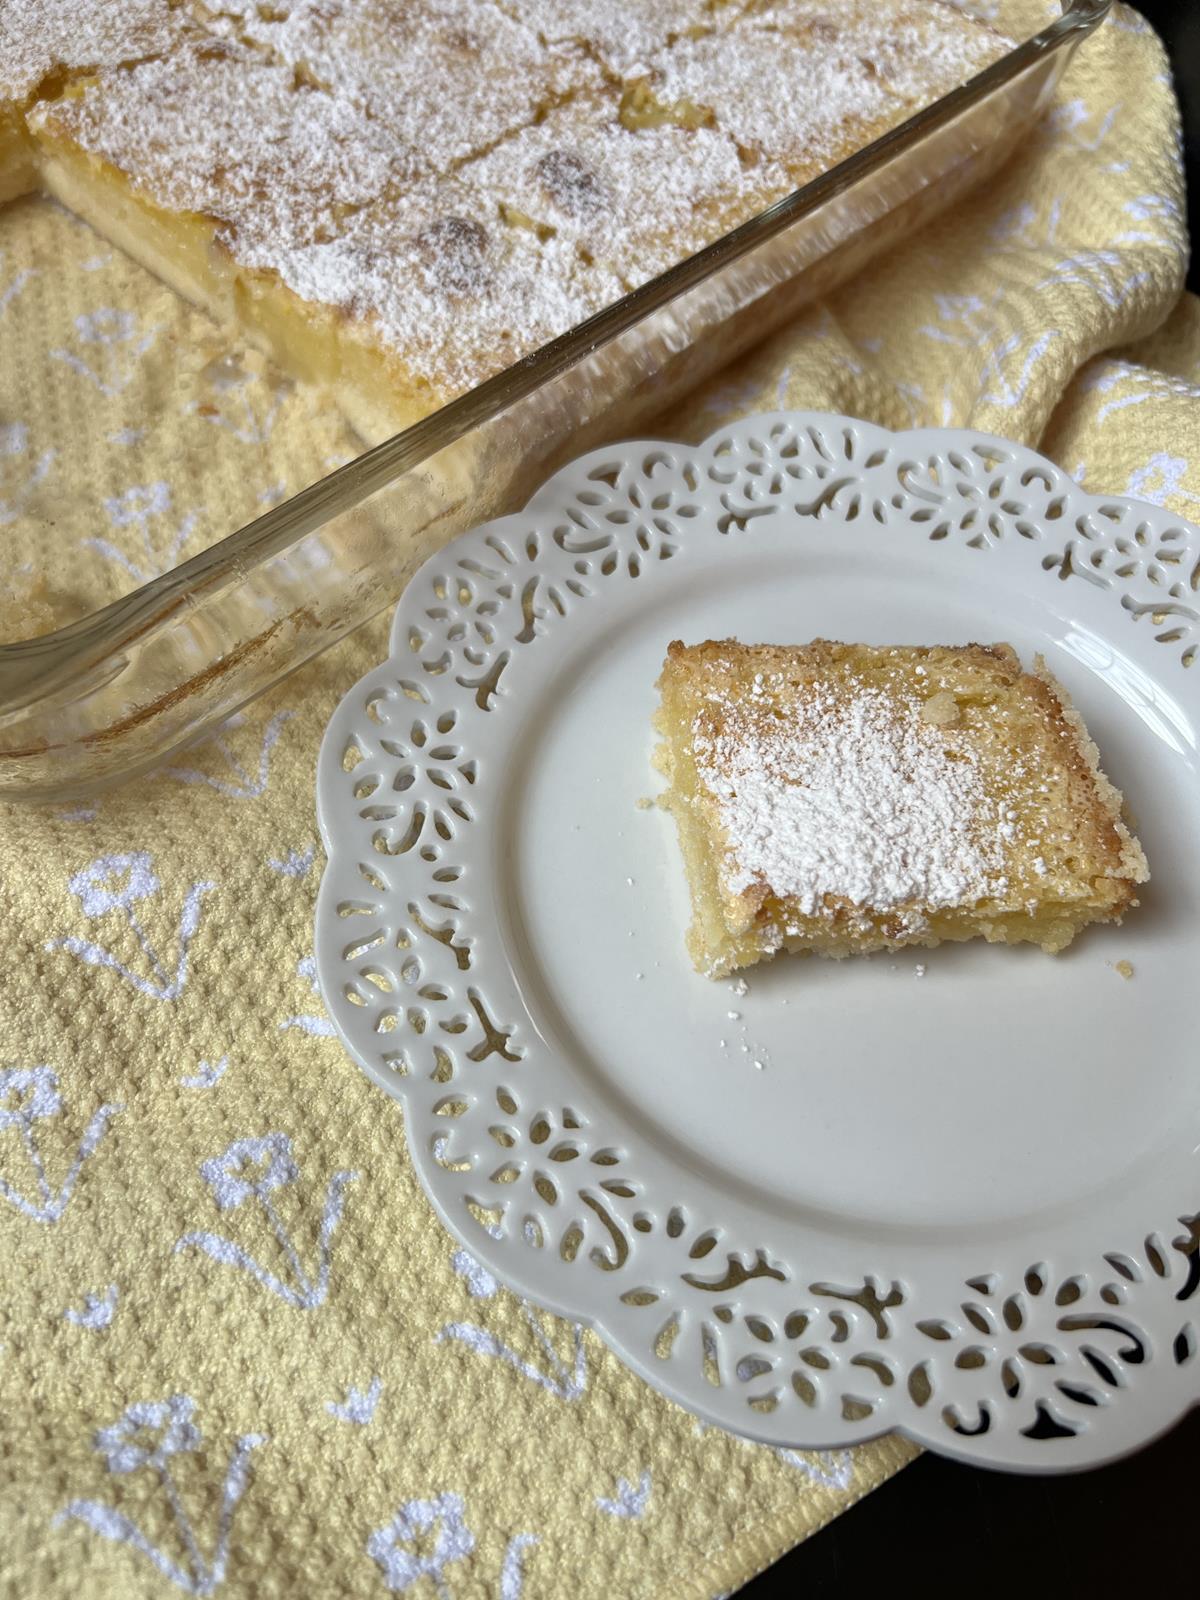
(238, 1354)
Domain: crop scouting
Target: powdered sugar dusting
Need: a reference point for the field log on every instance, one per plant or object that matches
(214, 129)
(38, 37)
(781, 96)
(851, 796)
(623, 37)
(920, 48)
(638, 201)
(439, 280)
(449, 76)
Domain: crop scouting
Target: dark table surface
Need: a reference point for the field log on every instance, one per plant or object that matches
(940, 1528)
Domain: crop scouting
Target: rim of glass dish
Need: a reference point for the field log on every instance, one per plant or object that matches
(35, 666)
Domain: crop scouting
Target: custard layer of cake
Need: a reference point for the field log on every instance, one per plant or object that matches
(841, 799)
(397, 200)
(17, 172)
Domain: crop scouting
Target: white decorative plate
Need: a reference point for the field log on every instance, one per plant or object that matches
(962, 1204)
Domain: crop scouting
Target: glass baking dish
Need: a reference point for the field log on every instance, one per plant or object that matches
(109, 695)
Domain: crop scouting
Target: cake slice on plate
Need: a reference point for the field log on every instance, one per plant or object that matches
(842, 798)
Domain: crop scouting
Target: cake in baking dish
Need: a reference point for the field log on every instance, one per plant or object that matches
(841, 798)
(398, 198)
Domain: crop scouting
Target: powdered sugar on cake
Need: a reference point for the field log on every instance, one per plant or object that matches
(586, 177)
(452, 76)
(40, 37)
(853, 797)
(917, 47)
(780, 96)
(622, 37)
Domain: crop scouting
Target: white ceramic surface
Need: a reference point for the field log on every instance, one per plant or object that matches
(961, 1204)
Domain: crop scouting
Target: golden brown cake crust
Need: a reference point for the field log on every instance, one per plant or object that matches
(1100, 799)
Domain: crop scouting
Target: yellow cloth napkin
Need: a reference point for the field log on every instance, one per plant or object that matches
(238, 1354)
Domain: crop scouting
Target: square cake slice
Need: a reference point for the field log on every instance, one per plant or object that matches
(842, 798)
